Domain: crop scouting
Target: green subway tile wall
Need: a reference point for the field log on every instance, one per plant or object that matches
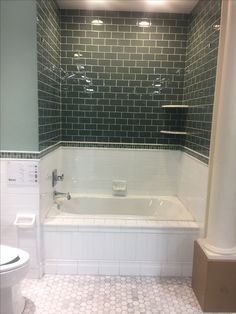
(49, 98)
(200, 74)
(122, 60)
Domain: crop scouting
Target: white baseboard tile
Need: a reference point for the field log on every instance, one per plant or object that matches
(117, 268)
(50, 268)
(67, 268)
(149, 269)
(109, 268)
(88, 268)
(187, 269)
(171, 270)
(180, 269)
(129, 268)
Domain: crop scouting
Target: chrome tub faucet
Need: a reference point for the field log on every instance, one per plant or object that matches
(67, 195)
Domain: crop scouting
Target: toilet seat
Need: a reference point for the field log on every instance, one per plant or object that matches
(12, 258)
(7, 255)
(14, 266)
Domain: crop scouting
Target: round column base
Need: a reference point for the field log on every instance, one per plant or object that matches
(218, 250)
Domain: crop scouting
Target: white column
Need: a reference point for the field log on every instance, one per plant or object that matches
(221, 226)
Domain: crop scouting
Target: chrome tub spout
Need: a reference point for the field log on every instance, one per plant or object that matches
(67, 195)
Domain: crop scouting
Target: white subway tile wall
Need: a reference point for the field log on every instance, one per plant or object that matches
(106, 248)
(128, 251)
(192, 187)
(20, 199)
(147, 172)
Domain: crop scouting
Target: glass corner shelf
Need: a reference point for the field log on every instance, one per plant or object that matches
(173, 132)
(175, 106)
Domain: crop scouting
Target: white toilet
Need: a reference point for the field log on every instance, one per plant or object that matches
(14, 265)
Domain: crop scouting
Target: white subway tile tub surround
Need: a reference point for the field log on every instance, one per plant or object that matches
(20, 199)
(48, 163)
(109, 295)
(147, 172)
(192, 186)
(92, 245)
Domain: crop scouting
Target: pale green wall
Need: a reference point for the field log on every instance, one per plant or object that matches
(18, 74)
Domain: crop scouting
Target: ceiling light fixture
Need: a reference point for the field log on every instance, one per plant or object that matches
(144, 23)
(97, 21)
(77, 54)
(216, 27)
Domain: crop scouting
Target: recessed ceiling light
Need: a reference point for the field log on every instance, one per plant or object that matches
(97, 22)
(144, 23)
(216, 27)
(77, 54)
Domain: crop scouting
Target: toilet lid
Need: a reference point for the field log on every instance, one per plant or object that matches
(8, 255)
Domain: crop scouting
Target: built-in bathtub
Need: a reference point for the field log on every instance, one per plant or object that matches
(118, 207)
(109, 235)
(123, 242)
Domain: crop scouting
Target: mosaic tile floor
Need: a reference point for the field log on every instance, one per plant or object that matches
(109, 295)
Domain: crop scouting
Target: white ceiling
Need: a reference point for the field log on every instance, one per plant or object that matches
(170, 6)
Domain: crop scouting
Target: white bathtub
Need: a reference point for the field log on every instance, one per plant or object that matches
(132, 207)
(135, 235)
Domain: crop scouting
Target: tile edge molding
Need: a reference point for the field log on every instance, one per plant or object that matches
(18, 155)
(4, 154)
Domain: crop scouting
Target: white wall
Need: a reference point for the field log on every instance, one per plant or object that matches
(192, 186)
(147, 172)
(20, 199)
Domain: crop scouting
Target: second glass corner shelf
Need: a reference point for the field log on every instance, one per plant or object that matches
(173, 132)
(175, 106)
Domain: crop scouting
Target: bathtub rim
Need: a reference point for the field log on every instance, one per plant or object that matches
(112, 217)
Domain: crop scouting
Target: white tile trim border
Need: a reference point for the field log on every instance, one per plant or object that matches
(114, 268)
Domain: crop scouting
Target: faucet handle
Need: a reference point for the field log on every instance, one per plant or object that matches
(61, 177)
(56, 178)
